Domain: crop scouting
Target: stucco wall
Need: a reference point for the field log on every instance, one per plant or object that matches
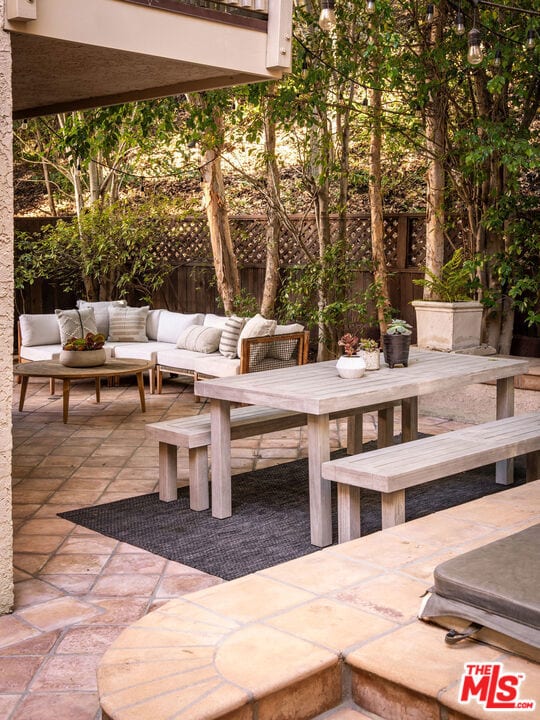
(6, 321)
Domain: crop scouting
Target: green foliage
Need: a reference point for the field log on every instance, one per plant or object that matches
(244, 304)
(456, 283)
(108, 253)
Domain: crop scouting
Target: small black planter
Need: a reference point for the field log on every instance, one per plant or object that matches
(396, 349)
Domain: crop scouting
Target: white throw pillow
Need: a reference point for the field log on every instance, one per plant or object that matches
(228, 344)
(216, 321)
(128, 324)
(152, 324)
(256, 326)
(75, 323)
(199, 339)
(101, 312)
(171, 324)
(284, 350)
(42, 329)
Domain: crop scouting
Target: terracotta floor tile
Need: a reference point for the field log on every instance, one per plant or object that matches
(24, 510)
(36, 543)
(13, 630)
(74, 499)
(58, 706)
(125, 585)
(7, 703)
(59, 613)
(41, 644)
(144, 563)
(72, 584)
(47, 526)
(29, 562)
(41, 485)
(88, 639)
(33, 592)
(88, 545)
(16, 673)
(80, 563)
(176, 585)
(347, 713)
(120, 610)
(68, 672)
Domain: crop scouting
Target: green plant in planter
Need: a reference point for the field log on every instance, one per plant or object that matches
(368, 344)
(457, 281)
(91, 341)
(399, 327)
(396, 343)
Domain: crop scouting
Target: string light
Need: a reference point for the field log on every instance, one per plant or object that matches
(474, 52)
(327, 18)
(370, 7)
(459, 25)
(498, 58)
(530, 43)
(430, 13)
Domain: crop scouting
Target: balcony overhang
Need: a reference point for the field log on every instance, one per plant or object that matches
(86, 53)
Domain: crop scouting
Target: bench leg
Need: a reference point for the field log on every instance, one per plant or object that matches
(51, 386)
(393, 508)
(348, 511)
(167, 472)
(532, 466)
(385, 427)
(354, 434)
(198, 479)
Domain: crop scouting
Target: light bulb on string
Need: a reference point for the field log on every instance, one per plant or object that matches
(474, 53)
(327, 18)
(430, 13)
(24, 124)
(459, 25)
(530, 43)
(497, 60)
(370, 7)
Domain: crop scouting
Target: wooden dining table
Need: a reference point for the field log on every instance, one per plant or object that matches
(317, 390)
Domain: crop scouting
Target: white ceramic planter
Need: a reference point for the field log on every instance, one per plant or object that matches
(83, 358)
(350, 367)
(448, 326)
(372, 358)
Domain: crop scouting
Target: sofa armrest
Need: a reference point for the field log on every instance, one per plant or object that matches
(269, 352)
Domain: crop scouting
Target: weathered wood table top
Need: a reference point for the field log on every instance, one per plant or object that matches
(317, 390)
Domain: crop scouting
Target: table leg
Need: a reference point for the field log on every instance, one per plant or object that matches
(504, 469)
(220, 429)
(320, 509)
(385, 427)
(409, 419)
(65, 399)
(140, 383)
(355, 425)
(24, 386)
(98, 390)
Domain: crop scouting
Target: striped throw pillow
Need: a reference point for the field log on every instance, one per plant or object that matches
(128, 324)
(229, 337)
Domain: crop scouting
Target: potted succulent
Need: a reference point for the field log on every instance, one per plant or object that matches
(350, 365)
(84, 352)
(396, 343)
(369, 350)
(452, 321)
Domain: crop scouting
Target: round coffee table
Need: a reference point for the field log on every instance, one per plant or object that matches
(54, 369)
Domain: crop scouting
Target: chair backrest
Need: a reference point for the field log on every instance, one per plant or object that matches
(269, 352)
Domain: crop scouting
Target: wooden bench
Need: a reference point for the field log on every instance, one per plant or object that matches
(193, 433)
(390, 470)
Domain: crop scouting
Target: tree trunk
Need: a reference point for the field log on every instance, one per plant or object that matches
(380, 272)
(228, 281)
(274, 225)
(435, 128)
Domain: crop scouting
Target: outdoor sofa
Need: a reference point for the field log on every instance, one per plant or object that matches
(194, 344)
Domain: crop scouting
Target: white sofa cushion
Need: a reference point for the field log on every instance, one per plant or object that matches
(76, 323)
(101, 312)
(152, 322)
(171, 324)
(138, 351)
(257, 326)
(216, 321)
(284, 351)
(40, 352)
(128, 324)
(39, 330)
(228, 345)
(213, 364)
(216, 365)
(199, 339)
(179, 359)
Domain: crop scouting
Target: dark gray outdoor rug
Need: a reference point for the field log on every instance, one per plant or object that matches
(270, 521)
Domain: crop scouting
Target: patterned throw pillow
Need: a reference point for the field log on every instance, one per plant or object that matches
(101, 312)
(199, 339)
(228, 344)
(75, 323)
(128, 324)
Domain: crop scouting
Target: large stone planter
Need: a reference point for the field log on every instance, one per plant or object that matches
(448, 326)
(83, 358)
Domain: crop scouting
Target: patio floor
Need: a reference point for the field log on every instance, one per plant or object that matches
(77, 590)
